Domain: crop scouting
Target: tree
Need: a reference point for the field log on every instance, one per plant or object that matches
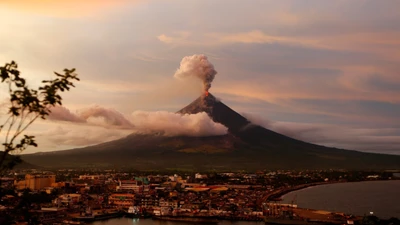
(26, 105)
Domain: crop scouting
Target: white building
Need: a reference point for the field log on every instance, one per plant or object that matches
(68, 199)
(129, 186)
(200, 176)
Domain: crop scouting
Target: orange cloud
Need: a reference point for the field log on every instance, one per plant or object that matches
(281, 89)
(62, 8)
(382, 44)
(255, 36)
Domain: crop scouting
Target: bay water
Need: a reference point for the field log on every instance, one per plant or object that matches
(382, 198)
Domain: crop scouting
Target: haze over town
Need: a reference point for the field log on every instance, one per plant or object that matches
(327, 74)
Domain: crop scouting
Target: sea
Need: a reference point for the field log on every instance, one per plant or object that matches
(382, 198)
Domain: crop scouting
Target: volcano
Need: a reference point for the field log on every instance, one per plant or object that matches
(246, 146)
(237, 125)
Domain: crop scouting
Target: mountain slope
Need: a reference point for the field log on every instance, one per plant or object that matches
(16, 163)
(246, 146)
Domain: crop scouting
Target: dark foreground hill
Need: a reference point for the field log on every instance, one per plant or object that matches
(246, 146)
(15, 162)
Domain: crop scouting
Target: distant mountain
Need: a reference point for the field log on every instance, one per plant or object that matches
(246, 146)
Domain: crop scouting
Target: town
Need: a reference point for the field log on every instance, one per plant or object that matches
(78, 196)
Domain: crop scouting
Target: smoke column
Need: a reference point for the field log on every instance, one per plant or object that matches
(197, 66)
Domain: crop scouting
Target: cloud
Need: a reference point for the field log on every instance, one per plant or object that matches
(95, 115)
(71, 136)
(384, 140)
(174, 124)
(179, 38)
(106, 116)
(212, 39)
(381, 44)
(63, 8)
(254, 37)
(116, 86)
(249, 37)
(63, 114)
(171, 124)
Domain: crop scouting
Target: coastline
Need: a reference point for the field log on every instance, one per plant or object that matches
(277, 194)
(345, 199)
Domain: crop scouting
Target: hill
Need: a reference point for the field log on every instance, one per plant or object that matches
(17, 162)
(246, 146)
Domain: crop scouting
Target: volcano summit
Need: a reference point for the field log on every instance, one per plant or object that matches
(246, 146)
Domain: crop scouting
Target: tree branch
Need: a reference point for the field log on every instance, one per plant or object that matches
(27, 105)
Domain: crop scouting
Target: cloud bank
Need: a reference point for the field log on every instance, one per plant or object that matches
(95, 115)
(384, 140)
(174, 124)
(171, 124)
(107, 116)
(71, 136)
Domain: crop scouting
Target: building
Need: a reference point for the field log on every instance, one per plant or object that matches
(168, 204)
(91, 177)
(142, 180)
(121, 200)
(200, 176)
(6, 182)
(129, 186)
(68, 199)
(175, 178)
(36, 182)
(149, 201)
(49, 215)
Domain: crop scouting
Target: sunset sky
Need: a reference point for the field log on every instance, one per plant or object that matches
(321, 71)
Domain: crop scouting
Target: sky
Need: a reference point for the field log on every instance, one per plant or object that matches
(326, 72)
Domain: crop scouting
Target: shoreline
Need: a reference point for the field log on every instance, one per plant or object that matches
(277, 194)
(276, 197)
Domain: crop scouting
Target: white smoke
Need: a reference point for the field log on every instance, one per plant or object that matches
(197, 66)
(98, 114)
(170, 124)
(173, 124)
(63, 114)
(64, 137)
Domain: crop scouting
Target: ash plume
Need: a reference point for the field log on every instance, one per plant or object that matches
(197, 66)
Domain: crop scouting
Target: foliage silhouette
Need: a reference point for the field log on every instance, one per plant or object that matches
(26, 105)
